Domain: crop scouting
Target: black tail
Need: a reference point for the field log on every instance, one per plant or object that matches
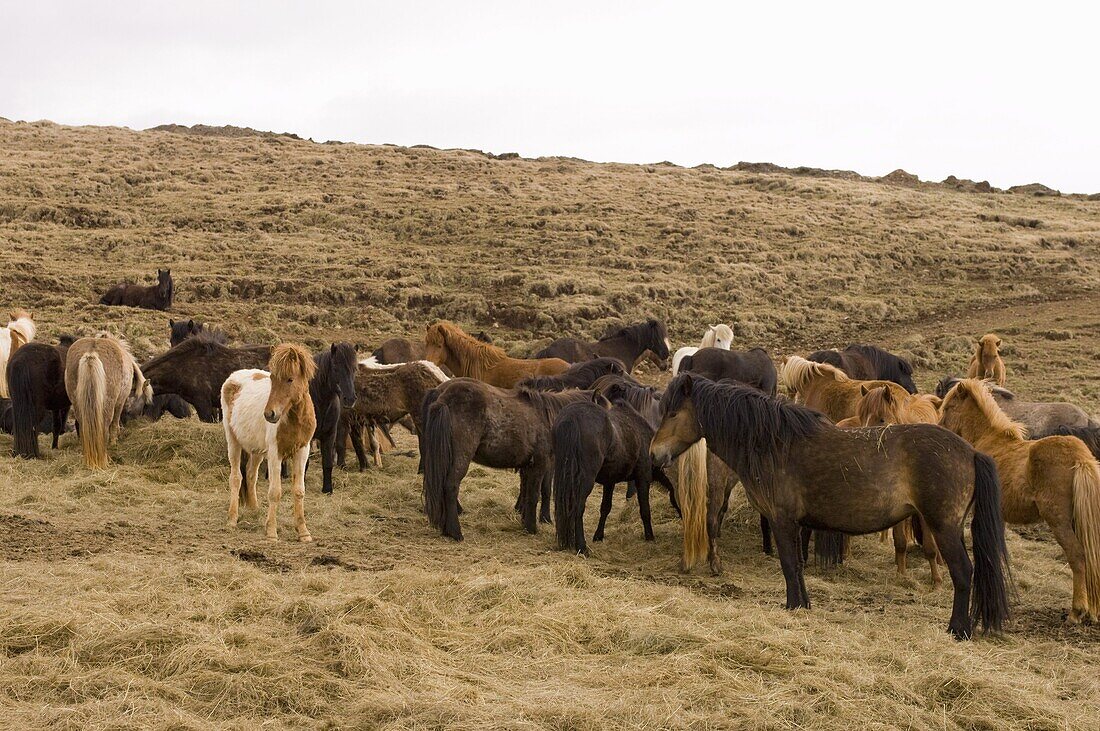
(377, 355)
(829, 548)
(440, 501)
(25, 412)
(992, 574)
(568, 482)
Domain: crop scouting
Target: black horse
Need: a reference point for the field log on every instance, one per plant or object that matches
(36, 380)
(869, 363)
(579, 375)
(154, 297)
(180, 330)
(751, 367)
(628, 344)
(332, 390)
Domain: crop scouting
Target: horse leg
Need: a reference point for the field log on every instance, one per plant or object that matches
(605, 510)
(375, 447)
(342, 429)
(961, 569)
(786, 534)
(274, 490)
(716, 509)
(547, 496)
(328, 451)
(251, 476)
(59, 416)
(530, 483)
(1062, 527)
(356, 435)
(642, 485)
(298, 486)
(234, 478)
(578, 520)
(805, 534)
(663, 481)
(766, 535)
(116, 423)
(901, 545)
(930, 551)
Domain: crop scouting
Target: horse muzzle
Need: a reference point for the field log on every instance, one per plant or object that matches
(271, 417)
(347, 403)
(660, 458)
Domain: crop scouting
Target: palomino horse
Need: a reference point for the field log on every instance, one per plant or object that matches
(598, 441)
(19, 331)
(100, 376)
(868, 363)
(986, 362)
(466, 420)
(716, 336)
(270, 414)
(1040, 417)
(154, 297)
(628, 344)
(828, 389)
(881, 407)
(1055, 479)
(37, 373)
(446, 345)
(800, 470)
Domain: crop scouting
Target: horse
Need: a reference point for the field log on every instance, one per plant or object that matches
(466, 420)
(986, 362)
(628, 344)
(332, 390)
(19, 331)
(1090, 435)
(868, 363)
(37, 381)
(716, 336)
(828, 389)
(401, 350)
(100, 376)
(751, 367)
(269, 414)
(180, 330)
(154, 297)
(579, 375)
(448, 346)
(798, 469)
(881, 407)
(385, 394)
(1038, 416)
(598, 440)
(196, 369)
(1054, 479)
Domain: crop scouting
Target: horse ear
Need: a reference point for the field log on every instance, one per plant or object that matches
(887, 396)
(998, 342)
(171, 322)
(191, 324)
(685, 387)
(863, 389)
(652, 322)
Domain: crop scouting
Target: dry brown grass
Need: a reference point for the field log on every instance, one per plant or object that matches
(126, 603)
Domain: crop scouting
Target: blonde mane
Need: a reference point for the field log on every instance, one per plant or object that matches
(289, 360)
(997, 420)
(21, 322)
(797, 372)
(475, 356)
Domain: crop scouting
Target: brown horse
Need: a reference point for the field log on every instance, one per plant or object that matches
(269, 414)
(448, 346)
(19, 331)
(868, 363)
(100, 376)
(881, 407)
(466, 420)
(1055, 479)
(986, 362)
(800, 470)
(154, 297)
(826, 388)
(628, 344)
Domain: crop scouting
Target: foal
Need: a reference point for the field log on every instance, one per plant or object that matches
(986, 362)
(270, 414)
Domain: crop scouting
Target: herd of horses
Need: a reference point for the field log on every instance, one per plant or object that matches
(832, 445)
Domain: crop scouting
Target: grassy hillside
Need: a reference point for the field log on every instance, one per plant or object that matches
(127, 603)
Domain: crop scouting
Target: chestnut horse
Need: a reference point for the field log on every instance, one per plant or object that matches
(1055, 479)
(100, 377)
(800, 470)
(446, 345)
(986, 362)
(828, 389)
(269, 414)
(19, 331)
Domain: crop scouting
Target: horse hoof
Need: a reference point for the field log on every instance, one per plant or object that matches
(1075, 616)
(307, 538)
(230, 524)
(716, 568)
(326, 490)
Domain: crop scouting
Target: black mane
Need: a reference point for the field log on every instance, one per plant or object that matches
(578, 375)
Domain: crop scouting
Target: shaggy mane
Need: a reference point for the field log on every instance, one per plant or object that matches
(997, 419)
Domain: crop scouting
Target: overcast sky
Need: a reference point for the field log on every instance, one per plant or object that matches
(978, 91)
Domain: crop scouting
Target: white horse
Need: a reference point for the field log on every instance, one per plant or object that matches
(716, 336)
(19, 331)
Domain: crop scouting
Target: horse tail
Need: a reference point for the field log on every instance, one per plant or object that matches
(691, 495)
(437, 448)
(568, 482)
(91, 405)
(992, 574)
(24, 413)
(1086, 523)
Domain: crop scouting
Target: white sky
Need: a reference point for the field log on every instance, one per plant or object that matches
(978, 90)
